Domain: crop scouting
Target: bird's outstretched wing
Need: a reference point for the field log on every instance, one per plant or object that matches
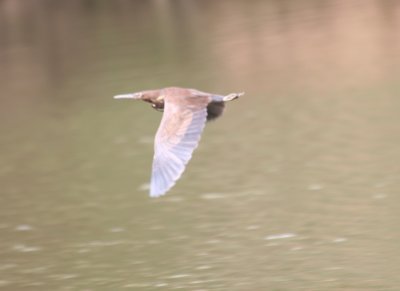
(177, 136)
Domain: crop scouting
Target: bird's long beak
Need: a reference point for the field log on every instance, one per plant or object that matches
(128, 96)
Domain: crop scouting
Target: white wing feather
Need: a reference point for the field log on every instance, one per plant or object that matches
(177, 137)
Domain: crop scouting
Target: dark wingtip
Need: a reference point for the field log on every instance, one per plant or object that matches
(215, 110)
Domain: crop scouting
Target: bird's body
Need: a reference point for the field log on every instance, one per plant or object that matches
(185, 114)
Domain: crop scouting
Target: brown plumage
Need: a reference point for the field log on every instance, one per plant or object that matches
(185, 114)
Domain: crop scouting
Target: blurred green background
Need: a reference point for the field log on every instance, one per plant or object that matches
(295, 188)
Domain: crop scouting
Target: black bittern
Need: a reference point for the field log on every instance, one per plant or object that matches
(185, 114)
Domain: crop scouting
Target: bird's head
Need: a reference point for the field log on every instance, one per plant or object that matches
(151, 96)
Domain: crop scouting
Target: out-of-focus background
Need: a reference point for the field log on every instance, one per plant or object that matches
(295, 188)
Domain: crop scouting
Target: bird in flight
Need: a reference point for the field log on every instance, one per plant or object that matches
(186, 112)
